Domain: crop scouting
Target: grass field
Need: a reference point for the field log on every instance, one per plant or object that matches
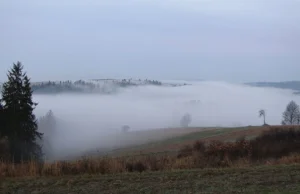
(273, 166)
(189, 136)
(264, 179)
(136, 140)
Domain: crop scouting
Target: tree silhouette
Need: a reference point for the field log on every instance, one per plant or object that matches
(4, 152)
(186, 120)
(291, 116)
(125, 128)
(21, 123)
(262, 113)
(2, 120)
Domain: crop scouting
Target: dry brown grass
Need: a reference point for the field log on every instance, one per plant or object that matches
(276, 146)
(103, 165)
(291, 159)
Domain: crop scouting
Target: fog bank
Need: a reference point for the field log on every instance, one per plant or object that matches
(94, 121)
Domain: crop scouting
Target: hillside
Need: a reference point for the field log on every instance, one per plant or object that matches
(102, 86)
(292, 85)
(201, 171)
(170, 141)
(109, 86)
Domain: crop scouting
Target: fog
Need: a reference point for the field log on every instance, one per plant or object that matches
(94, 121)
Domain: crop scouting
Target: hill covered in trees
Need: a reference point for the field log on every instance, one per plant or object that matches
(103, 86)
(292, 85)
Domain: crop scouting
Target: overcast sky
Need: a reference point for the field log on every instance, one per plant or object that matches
(231, 40)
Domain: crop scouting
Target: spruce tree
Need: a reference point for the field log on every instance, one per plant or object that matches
(2, 121)
(21, 123)
(4, 154)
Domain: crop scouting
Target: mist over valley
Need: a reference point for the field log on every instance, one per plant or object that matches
(94, 121)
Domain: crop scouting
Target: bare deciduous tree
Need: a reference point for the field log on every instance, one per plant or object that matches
(298, 119)
(186, 120)
(291, 116)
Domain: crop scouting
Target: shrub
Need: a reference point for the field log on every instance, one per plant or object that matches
(272, 144)
(277, 146)
(136, 167)
(276, 143)
(199, 147)
(185, 151)
(4, 150)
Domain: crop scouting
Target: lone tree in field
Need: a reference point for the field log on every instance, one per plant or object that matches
(21, 123)
(125, 128)
(262, 113)
(186, 120)
(291, 116)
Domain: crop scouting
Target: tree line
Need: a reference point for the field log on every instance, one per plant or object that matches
(81, 86)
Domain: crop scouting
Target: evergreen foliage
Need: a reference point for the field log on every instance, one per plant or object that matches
(21, 125)
(2, 120)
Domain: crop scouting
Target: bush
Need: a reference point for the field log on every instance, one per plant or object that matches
(199, 147)
(277, 146)
(185, 151)
(4, 150)
(272, 144)
(276, 143)
(136, 167)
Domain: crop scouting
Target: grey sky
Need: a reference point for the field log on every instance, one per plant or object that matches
(232, 40)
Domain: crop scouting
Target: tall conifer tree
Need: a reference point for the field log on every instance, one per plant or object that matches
(21, 122)
(2, 121)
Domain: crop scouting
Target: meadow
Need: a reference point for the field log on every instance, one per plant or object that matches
(262, 179)
(208, 161)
